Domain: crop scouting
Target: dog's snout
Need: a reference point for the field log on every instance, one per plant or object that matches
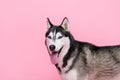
(52, 47)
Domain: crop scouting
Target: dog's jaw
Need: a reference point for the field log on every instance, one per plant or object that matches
(54, 56)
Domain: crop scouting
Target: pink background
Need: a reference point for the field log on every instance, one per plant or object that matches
(23, 55)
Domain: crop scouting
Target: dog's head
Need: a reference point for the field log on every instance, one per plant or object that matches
(57, 38)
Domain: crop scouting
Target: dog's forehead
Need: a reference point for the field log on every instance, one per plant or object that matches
(58, 34)
(55, 33)
(54, 30)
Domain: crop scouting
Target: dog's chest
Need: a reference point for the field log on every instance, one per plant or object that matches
(71, 75)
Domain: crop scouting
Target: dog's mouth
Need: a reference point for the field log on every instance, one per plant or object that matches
(54, 56)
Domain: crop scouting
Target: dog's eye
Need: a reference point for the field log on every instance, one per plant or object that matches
(60, 37)
(49, 37)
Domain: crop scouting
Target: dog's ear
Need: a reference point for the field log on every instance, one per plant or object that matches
(65, 24)
(49, 24)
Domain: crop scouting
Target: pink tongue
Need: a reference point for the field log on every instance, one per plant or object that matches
(54, 58)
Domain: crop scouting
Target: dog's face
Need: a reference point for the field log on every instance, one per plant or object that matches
(55, 41)
(56, 36)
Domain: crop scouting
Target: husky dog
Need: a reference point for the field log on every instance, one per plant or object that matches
(76, 60)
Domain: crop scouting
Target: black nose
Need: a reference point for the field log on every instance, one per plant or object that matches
(52, 47)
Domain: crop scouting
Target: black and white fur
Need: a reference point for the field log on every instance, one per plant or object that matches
(81, 60)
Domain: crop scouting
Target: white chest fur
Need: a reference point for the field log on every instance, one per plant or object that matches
(71, 75)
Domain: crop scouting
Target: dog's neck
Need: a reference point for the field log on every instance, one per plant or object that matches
(64, 50)
(62, 55)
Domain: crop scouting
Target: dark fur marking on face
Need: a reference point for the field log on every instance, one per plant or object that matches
(58, 29)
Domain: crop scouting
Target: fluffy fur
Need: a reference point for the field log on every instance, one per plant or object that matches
(78, 60)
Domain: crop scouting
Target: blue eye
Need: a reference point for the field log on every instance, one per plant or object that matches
(60, 37)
